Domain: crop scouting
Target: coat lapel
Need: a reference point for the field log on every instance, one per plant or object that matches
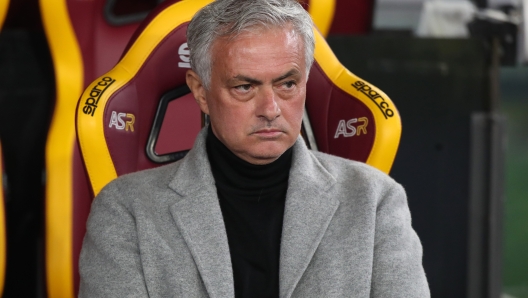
(308, 212)
(199, 219)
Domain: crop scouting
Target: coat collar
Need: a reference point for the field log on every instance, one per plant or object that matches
(307, 214)
(199, 219)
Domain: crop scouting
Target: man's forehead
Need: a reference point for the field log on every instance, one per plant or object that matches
(261, 55)
(254, 56)
(292, 73)
(278, 42)
(257, 31)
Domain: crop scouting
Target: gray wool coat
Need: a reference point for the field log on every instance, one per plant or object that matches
(160, 233)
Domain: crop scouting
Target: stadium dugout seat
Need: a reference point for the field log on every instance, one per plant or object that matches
(86, 39)
(140, 114)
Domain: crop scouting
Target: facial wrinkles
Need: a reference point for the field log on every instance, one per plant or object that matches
(281, 61)
(249, 57)
(259, 51)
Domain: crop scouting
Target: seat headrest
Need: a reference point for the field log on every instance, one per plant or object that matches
(351, 117)
(116, 114)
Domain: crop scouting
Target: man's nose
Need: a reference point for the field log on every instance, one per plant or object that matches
(268, 105)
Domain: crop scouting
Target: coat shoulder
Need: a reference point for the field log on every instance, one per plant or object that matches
(358, 176)
(351, 170)
(137, 185)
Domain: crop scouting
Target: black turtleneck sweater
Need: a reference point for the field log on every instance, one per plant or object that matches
(252, 201)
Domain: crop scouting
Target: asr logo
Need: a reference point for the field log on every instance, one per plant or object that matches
(347, 129)
(122, 121)
(185, 58)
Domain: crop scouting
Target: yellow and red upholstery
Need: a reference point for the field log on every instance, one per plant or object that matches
(116, 115)
(84, 45)
(350, 117)
(4, 5)
(322, 13)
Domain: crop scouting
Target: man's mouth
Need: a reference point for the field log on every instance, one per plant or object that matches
(268, 132)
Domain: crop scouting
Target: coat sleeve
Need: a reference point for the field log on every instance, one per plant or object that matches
(110, 264)
(397, 266)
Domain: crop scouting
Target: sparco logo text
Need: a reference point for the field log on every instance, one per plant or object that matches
(375, 97)
(90, 105)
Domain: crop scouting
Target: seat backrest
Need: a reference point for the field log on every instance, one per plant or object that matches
(140, 114)
(350, 117)
(86, 39)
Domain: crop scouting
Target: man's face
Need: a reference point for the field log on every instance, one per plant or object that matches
(257, 91)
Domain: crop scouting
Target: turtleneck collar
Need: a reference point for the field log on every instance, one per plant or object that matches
(240, 177)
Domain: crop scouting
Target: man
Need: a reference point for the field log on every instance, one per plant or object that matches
(250, 211)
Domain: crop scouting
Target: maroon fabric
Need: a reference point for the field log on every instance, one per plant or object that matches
(147, 20)
(182, 119)
(83, 196)
(101, 46)
(352, 17)
(140, 97)
(327, 106)
(101, 43)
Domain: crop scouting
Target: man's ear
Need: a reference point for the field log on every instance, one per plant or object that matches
(198, 90)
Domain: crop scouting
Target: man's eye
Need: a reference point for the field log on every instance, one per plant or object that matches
(243, 88)
(289, 84)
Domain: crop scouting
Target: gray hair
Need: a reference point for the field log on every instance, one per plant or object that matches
(231, 17)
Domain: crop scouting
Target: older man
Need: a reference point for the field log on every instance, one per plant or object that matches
(250, 211)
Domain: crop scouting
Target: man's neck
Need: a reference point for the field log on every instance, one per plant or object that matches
(232, 171)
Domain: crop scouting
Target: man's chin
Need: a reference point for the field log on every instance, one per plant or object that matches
(262, 160)
(265, 155)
